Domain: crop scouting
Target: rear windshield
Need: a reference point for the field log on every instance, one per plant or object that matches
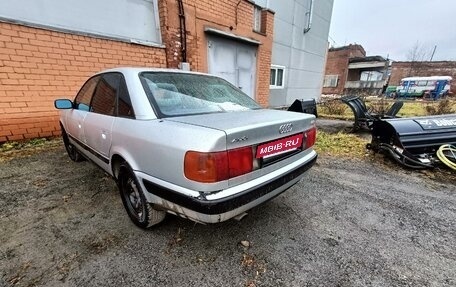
(177, 94)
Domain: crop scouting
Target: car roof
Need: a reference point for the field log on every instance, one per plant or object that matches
(137, 70)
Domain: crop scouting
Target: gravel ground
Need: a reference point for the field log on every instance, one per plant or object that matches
(347, 223)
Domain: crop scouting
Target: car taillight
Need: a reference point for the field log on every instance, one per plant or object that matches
(217, 166)
(206, 166)
(240, 161)
(310, 136)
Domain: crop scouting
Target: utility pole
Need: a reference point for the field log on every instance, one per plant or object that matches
(433, 52)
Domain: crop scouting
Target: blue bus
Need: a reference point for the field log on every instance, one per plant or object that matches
(434, 87)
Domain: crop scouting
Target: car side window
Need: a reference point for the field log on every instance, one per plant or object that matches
(84, 96)
(104, 99)
(124, 107)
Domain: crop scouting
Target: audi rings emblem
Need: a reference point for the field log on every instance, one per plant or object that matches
(286, 128)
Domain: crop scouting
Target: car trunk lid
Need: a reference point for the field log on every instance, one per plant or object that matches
(275, 137)
(253, 127)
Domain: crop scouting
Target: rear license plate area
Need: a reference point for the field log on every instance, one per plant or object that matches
(281, 147)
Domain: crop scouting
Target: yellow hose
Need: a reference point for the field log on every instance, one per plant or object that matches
(443, 158)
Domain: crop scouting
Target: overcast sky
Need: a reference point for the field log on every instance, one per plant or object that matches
(393, 27)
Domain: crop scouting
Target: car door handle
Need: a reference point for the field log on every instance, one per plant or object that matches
(103, 135)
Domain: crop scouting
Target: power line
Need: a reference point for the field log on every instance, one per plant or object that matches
(334, 42)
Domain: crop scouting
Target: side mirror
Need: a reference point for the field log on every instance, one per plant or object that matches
(63, 104)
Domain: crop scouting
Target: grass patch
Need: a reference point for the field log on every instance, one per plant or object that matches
(418, 108)
(340, 144)
(412, 109)
(344, 117)
(409, 109)
(423, 108)
(334, 109)
(23, 144)
(11, 150)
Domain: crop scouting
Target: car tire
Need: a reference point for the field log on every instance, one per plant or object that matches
(72, 151)
(138, 209)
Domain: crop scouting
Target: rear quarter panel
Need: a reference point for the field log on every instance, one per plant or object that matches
(158, 147)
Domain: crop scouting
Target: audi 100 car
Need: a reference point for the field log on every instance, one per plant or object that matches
(185, 143)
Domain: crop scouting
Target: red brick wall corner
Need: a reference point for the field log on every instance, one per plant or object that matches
(38, 66)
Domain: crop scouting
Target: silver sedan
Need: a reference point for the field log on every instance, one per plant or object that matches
(185, 143)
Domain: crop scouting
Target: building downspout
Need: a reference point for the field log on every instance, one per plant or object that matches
(309, 15)
(236, 13)
(182, 31)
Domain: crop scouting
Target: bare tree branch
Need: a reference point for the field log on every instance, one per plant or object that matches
(417, 54)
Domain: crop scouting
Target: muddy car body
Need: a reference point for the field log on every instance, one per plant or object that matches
(186, 143)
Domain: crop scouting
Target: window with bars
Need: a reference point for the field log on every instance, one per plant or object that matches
(330, 81)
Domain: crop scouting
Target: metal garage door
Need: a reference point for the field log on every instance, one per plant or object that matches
(233, 61)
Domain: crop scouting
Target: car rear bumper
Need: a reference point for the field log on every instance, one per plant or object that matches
(207, 209)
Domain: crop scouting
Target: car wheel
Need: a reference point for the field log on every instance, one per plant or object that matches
(139, 210)
(72, 151)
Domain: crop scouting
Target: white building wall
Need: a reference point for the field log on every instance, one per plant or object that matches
(302, 54)
(134, 21)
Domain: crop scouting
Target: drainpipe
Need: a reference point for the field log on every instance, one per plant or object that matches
(236, 13)
(182, 31)
(309, 15)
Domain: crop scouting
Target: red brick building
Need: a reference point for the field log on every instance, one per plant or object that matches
(401, 70)
(40, 63)
(336, 71)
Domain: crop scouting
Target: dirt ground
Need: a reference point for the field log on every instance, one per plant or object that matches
(347, 223)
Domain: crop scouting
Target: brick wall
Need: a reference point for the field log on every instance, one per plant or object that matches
(401, 70)
(264, 60)
(38, 66)
(337, 64)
